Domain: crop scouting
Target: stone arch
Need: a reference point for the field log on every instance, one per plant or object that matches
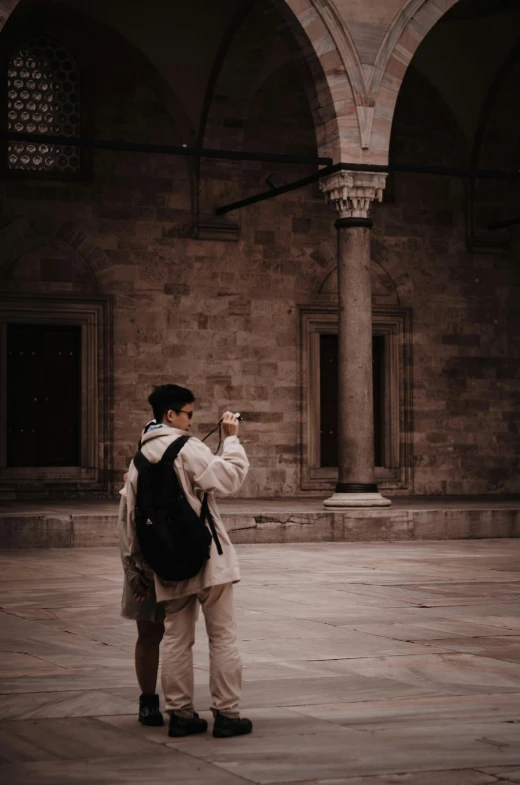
(322, 36)
(327, 47)
(226, 102)
(278, 118)
(76, 29)
(494, 147)
(47, 259)
(48, 265)
(6, 9)
(497, 146)
(363, 103)
(258, 39)
(410, 26)
(425, 128)
(384, 290)
(354, 103)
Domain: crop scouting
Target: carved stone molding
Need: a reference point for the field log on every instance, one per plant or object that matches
(214, 227)
(93, 314)
(352, 193)
(394, 325)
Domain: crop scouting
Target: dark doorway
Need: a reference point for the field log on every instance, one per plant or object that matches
(43, 395)
(329, 399)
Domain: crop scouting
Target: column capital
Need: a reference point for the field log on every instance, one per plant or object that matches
(352, 193)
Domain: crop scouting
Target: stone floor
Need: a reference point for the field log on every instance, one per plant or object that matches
(365, 664)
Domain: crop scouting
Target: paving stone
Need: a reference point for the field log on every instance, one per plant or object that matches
(128, 769)
(62, 739)
(505, 773)
(330, 754)
(339, 689)
(43, 705)
(458, 777)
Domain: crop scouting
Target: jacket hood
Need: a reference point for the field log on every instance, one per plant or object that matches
(165, 432)
(154, 443)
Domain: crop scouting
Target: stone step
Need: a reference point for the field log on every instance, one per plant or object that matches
(91, 524)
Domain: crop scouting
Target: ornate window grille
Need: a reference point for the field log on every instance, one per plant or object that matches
(43, 97)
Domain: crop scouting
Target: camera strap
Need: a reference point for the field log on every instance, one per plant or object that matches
(219, 426)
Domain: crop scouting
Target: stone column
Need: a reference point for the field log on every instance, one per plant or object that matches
(352, 193)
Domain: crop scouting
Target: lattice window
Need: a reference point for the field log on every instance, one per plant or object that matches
(43, 97)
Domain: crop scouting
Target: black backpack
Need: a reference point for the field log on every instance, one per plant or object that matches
(174, 540)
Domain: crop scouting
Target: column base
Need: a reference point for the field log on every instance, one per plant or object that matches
(356, 495)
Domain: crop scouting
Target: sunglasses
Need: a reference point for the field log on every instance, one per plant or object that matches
(183, 411)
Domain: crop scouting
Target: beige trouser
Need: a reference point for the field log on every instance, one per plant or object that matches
(225, 666)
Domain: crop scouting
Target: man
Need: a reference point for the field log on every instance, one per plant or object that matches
(199, 472)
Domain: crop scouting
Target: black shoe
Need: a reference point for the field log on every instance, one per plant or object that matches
(149, 713)
(186, 726)
(225, 727)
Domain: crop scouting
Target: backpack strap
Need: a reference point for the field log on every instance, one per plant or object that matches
(205, 513)
(174, 449)
(140, 461)
(169, 457)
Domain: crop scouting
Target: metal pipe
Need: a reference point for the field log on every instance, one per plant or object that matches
(163, 149)
(329, 167)
(449, 171)
(283, 189)
(493, 174)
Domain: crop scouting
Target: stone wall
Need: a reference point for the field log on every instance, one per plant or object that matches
(466, 371)
(222, 317)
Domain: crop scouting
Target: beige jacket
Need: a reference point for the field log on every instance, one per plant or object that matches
(199, 472)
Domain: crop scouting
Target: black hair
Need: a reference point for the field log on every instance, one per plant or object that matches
(169, 396)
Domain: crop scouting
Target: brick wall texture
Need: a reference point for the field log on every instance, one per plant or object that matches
(223, 317)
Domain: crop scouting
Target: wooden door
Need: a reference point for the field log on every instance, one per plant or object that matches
(43, 395)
